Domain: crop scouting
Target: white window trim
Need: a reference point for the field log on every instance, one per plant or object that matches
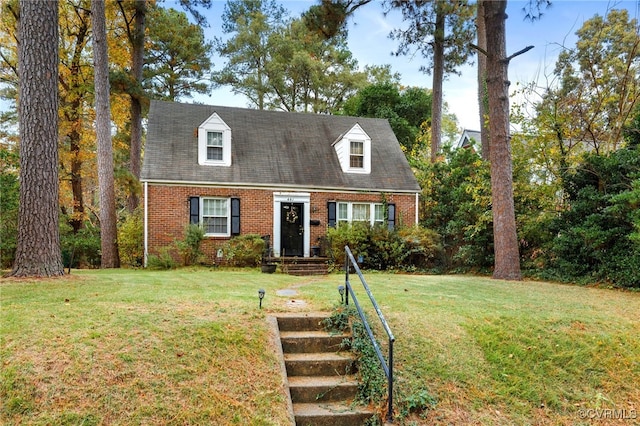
(201, 219)
(349, 204)
(214, 124)
(342, 147)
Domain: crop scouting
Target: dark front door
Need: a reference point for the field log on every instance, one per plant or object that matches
(292, 229)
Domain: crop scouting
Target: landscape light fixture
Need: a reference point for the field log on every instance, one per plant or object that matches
(341, 291)
(261, 293)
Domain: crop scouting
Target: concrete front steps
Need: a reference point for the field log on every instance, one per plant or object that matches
(321, 378)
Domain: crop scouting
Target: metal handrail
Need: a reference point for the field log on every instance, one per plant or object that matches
(387, 367)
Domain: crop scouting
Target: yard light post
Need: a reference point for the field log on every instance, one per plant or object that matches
(341, 291)
(261, 293)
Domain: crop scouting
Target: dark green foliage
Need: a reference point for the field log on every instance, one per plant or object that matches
(244, 250)
(80, 249)
(9, 198)
(407, 248)
(372, 386)
(406, 110)
(456, 203)
(596, 238)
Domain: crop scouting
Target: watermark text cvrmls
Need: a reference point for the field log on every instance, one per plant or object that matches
(608, 413)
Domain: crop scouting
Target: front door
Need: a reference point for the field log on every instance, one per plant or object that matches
(292, 229)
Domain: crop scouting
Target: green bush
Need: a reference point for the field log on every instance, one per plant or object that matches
(163, 261)
(189, 247)
(244, 250)
(82, 249)
(131, 239)
(595, 239)
(9, 223)
(421, 246)
(383, 249)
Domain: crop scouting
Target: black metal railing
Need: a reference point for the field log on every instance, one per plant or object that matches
(387, 365)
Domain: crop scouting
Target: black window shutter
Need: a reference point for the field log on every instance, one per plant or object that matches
(194, 210)
(235, 216)
(391, 216)
(331, 209)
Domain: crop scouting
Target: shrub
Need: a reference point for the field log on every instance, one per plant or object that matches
(189, 248)
(81, 249)
(163, 261)
(244, 250)
(384, 249)
(9, 188)
(421, 246)
(131, 239)
(355, 235)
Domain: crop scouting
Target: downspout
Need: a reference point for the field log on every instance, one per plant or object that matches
(146, 223)
(417, 204)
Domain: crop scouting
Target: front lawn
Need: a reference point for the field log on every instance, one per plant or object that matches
(191, 347)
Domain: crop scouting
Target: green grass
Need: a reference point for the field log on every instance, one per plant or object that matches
(191, 347)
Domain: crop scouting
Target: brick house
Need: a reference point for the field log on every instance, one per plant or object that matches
(288, 175)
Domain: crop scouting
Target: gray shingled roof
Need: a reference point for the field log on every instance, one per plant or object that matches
(270, 148)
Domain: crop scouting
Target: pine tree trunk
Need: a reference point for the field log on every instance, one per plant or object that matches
(482, 82)
(507, 257)
(38, 246)
(108, 230)
(438, 76)
(137, 62)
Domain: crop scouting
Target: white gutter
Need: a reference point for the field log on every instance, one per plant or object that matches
(146, 224)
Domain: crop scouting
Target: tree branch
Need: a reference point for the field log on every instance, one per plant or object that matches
(519, 52)
(479, 49)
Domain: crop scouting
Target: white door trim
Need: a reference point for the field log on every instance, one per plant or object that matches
(291, 197)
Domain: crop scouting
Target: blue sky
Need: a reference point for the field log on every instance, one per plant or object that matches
(370, 44)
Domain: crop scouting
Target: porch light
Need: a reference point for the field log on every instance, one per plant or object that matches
(341, 291)
(261, 293)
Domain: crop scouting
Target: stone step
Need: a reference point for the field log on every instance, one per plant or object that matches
(322, 388)
(319, 364)
(312, 341)
(330, 414)
(311, 321)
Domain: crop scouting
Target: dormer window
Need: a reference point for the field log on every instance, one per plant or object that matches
(214, 142)
(354, 151)
(356, 155)
(214, 146)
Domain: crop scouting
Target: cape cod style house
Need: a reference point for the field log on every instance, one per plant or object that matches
(287, 175)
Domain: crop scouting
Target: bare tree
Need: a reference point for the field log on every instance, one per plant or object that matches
(108, 230)
(38, 246)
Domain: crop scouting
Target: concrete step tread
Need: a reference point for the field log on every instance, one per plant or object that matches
(327, 409)
(318, 381)
(318, 356)
(311, 333)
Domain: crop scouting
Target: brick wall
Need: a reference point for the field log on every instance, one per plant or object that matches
(168, 212)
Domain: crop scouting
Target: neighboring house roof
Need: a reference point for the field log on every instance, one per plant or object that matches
(469, 139)
(270, 148)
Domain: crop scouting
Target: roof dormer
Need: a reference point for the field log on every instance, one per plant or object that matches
(214, 142)
(354, 151)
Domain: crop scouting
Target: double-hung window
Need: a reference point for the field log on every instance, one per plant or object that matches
(356, 155)
(372, 213)
(215, 216)
(214, 146)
